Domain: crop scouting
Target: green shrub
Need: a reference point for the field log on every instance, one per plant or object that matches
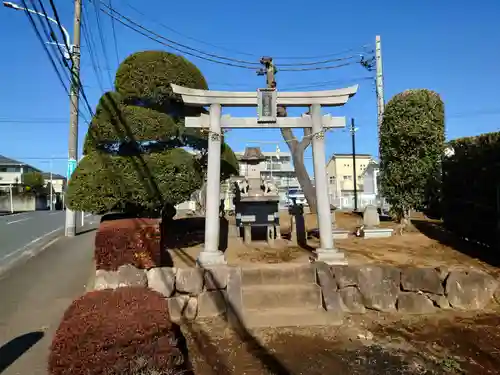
(135, 161)
(471, 188)
(411, 147)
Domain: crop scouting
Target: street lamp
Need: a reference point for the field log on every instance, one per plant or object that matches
(71, 51)
(67, 54)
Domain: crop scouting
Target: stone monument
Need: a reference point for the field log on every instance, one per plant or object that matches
(258, 199)
(371, 222)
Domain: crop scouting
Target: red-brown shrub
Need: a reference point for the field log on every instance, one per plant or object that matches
(128, 241)
(116, 332)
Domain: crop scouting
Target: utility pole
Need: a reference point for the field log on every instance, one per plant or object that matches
(354, 178)
(379, 82)
(70, 227)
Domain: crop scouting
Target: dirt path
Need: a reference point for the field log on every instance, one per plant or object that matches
(374, 344)
(34, 296)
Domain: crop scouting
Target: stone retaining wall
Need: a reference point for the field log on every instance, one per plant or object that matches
(191, 292)
(408, 290)
(197, 292)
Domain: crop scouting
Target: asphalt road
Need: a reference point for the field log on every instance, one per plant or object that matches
(33, 297)
(22, 233)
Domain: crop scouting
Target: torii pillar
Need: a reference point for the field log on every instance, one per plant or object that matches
(211, 254)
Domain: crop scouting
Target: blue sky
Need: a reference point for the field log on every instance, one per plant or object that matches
(451, 47)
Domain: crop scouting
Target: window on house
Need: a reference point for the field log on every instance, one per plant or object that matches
(332, 179)
(347, 178)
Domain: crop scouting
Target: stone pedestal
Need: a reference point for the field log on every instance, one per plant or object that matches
(210, 258)
(330, 256)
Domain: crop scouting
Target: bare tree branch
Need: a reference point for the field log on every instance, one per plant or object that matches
(290, 139)
(306, 140)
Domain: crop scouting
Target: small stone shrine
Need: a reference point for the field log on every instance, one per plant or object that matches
(257, 203)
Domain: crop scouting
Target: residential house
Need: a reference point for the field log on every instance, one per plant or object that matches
(340, 172)
(277, 167)
(58, 181)
(11, 171)
(371, 181)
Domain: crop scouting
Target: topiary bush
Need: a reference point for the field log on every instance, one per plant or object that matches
(411, 148)
(135, 161)
(140, 185)
(147, 76)
(126, 331)
(128, 241)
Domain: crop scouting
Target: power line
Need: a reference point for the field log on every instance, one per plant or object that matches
(101, 38)
(80, 86)
(127, 3)
(39, 36)
(90, 46)
(170, 46)
(318, 68)
(190, 37)
(33, 121)
(322, 62)
(173, 41)
(114, 37)
(195, 52)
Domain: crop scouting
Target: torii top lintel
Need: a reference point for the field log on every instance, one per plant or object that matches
(327, 98)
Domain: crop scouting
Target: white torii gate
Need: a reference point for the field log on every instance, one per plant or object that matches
(267, 101)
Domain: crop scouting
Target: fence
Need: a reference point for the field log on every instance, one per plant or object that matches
(21, 203)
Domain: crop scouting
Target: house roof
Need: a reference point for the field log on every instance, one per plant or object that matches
(55, 176)
(350, 156)
(8, 161)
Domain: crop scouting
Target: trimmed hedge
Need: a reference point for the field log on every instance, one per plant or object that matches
(147, 76)
(411, 146)
(135, 184)
(126, 331)
(471, 189)
(128, 241)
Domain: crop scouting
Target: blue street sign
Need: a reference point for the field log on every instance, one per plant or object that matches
(71, 167)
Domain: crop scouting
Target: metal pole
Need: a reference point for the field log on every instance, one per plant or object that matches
(354, 179)
(11, 200)
(380, 82)
(51, 186)
(70, 229)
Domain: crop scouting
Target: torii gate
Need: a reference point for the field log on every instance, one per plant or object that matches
(266, 100)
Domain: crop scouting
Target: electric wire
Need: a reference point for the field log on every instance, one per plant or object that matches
(75, 77)
(101, 38)
(115, 13)
(181, 45)
(114, 37)
(235, 51)
(90, 47)
(111, 14)
(190, 37)
(171, 46)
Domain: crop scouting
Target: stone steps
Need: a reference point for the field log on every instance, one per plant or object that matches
(282, 295)
(276, 296)
(290, 318)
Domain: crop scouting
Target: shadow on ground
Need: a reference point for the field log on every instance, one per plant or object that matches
(301, 354)
(436, 231)
(15, 348)
(190, 231)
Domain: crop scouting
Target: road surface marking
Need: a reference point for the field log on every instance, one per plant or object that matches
(54, 213)
(29, 244)
(18, 221)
